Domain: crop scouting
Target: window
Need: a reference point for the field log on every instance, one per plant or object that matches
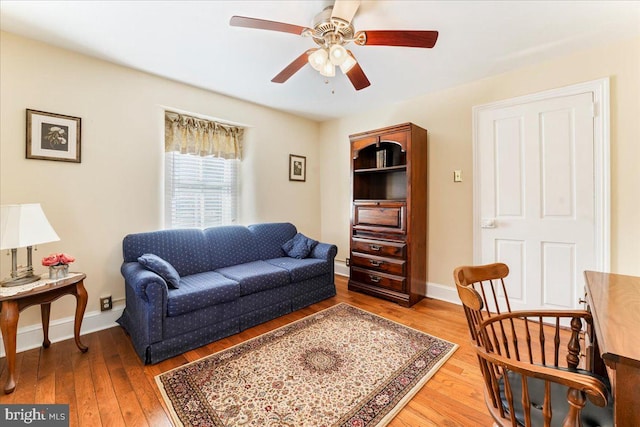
(200, 191)
(202, 162)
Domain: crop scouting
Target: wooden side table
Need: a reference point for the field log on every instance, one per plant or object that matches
(12, 305)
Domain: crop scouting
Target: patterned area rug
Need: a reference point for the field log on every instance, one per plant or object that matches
(340, 367)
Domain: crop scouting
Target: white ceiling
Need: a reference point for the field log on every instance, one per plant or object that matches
(192, 42)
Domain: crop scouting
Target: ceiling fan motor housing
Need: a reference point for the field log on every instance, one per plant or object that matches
(328, 31)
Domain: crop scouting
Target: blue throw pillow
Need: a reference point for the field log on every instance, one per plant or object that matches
(300, 246)
(162, 268)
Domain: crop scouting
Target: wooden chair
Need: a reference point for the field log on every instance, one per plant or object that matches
(519, 356)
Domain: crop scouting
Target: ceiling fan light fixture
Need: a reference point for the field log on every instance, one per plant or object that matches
(337, 54)
(319, 59)
(329, 70)
(331, 30)
(348, 63)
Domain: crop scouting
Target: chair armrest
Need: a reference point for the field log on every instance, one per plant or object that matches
(583, 314)
(142, 281)
(595, 388)
(504, 326)
(324, 251)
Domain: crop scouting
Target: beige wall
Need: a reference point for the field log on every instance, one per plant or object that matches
(447, 116)
(116, 189)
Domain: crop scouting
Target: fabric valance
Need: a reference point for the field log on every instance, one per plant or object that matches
(192, 135)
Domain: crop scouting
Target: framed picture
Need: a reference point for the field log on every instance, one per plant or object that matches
(53, 136)
(297, 168)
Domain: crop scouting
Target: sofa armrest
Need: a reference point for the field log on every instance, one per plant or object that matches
(144, 282)
(146, 306)
(324, 251)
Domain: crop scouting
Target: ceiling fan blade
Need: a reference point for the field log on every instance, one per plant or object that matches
(357, 77)
(409, 38)
(345, 10)
(293, 68)
(263, 24)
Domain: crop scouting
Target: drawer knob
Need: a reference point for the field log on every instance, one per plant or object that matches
(375, 263)
(375, 247)
(374, 279)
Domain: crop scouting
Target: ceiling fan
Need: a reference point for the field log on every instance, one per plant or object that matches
(332, 30)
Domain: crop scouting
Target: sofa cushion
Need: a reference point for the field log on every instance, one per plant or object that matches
(271, 236)
(230, 245)
(185, 249)
(302, 269)
(162, 268)
(201, 290)
(256, 276)
(300, 246)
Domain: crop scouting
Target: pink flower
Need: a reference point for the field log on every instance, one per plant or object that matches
(52, 259)
(66, 258)
(57, 259)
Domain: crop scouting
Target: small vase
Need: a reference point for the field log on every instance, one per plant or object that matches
(58, 271)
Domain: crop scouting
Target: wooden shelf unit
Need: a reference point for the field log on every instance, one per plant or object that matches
(389, 213)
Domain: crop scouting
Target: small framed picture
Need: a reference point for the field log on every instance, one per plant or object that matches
(53, 136)
(297, 168)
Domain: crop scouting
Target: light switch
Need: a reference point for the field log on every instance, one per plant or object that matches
(457, 176)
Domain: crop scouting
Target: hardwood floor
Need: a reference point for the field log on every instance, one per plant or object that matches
(109, 385)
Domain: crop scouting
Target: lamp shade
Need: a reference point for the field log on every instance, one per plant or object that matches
(318, 59)
(24, 225)
(328, 70)
(348, 63)
(338, 54)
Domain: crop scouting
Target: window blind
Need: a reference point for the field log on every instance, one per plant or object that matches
(200, 191)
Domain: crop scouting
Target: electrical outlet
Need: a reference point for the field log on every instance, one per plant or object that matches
(106, 303)
(347, 262)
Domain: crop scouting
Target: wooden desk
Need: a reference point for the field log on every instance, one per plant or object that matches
(11, 306)
(614, 302)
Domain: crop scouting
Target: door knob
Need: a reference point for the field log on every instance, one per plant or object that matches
(488, 223)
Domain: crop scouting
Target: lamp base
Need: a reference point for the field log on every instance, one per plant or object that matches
(19, 281)
(23, 275)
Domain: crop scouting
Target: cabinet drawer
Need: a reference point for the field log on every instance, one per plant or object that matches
(378, 247)
(375, 278)
(386, 265)
(381, 217)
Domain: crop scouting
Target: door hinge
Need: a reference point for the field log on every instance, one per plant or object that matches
(594, 109)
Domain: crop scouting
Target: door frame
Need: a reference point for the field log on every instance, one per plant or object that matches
(602, 167)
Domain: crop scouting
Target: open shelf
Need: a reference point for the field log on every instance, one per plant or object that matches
(380, 156)
(382, 170)
(387, 184)
(378, 200)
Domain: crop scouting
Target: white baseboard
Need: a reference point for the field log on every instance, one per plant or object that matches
(31, 336)
(341, 268)
(443, 293)
(433, 290)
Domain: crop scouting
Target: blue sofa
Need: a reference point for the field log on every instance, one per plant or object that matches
(230, 279)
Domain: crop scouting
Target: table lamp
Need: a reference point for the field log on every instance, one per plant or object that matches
(23, 226)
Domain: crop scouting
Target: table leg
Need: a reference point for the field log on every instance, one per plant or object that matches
(45, 309)
(9, 326)
(81, 304)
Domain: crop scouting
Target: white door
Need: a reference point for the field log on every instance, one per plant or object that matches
(537, 196)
